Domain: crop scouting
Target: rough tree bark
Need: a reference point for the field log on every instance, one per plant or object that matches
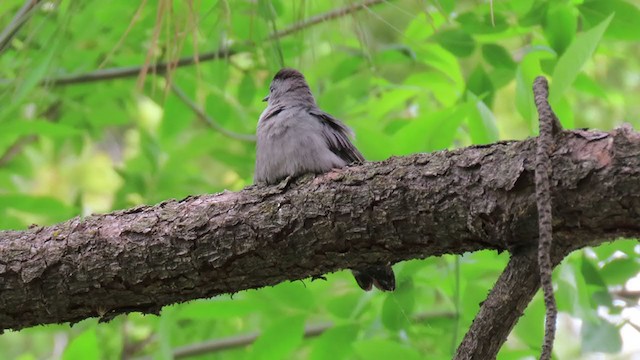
(423, 205)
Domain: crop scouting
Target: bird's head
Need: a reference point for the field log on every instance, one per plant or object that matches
(289, 86)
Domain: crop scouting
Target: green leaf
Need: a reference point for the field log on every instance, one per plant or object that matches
(479, 83)
(619, 271)
(35, 74)
(564, 111)
(571, 62)
(521, 7)
(52, 209)
(456, 41)
(38, 127)
(384, 350)
(368, 140)
(216, 309)
(625, 24)
(527, 71)
(83, 346)
(560, 27)
(343, 306)
(421, 28)
(475, 23)
(430, 131)
(334, 343)
(626, 246)
(280, 339)
(589, 86)
(436, 83)
(290, 295)
(573, 294)
(439, 58)
(497, 56)
(482, 123)
(530, 327)
(398, 306)
(600, 336)
(591, 273)
(247, 90)
(595, 284)
(535, 15)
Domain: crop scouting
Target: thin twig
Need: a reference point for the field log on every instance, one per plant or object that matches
(549, 126)
(16, 23)
(204, 117)
(233, 342)
(237, 341)
(331, 15)
(122, 72)
(163, 67)
(16, 148)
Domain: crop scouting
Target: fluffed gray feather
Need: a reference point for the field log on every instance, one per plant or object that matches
(295, 137)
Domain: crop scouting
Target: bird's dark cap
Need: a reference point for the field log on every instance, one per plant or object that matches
(288, 73)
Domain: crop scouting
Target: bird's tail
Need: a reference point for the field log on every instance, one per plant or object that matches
(380, 276)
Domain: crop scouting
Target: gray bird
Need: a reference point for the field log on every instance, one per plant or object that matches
(295, 137)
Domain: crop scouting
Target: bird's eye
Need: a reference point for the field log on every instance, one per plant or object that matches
(271, 89)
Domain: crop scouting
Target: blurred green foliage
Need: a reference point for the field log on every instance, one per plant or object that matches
(408, 76)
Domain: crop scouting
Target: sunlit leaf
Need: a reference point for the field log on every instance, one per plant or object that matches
(497, 56)
(280, 339)
(457, 42)
(528, 69)
(571, 62)
(83, 346)
(384, 349)
(561, 25)
(398, 306)
(619, 271)
(246, 90)
(625, 23)
(334, 343)
(600, 336)
(216, 309)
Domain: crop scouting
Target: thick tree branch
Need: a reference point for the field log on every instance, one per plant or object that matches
(499, 313)
(506, 302)
(475, 198)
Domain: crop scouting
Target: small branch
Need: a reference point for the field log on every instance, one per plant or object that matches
(117, 73)
(331, 15)
(549, 126)
(208, 120)
(627, 295)
(501, 310)
(236, 341)
(16, 23)
(163, 67)
(15, 149)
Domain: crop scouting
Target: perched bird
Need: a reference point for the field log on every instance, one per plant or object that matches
(295, 137)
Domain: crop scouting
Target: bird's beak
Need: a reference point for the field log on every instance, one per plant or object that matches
(266, 98)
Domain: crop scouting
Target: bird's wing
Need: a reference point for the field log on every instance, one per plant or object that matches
(337, 136)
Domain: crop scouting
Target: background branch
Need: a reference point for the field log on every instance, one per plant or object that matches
(19, 19)
(207, 119)
(165, 66)
(236, 341)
